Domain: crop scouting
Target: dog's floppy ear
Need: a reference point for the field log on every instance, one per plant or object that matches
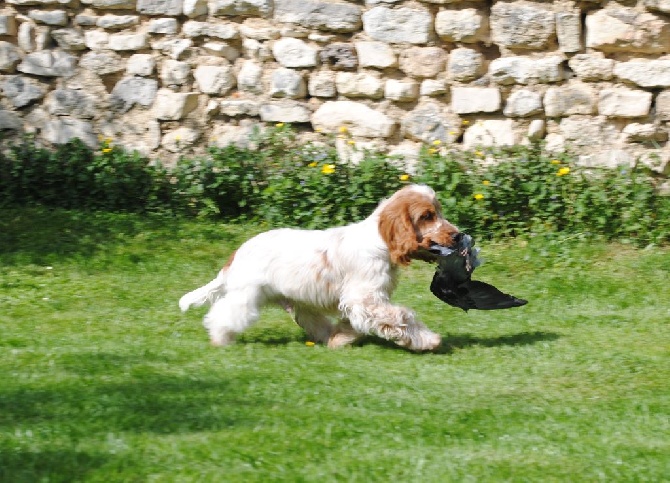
(397, 230)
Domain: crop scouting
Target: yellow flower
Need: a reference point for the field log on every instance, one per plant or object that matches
(432, 151)
(328, 169)
(555, 161)
(108, 140)
(309, 343)
(479, 153)
(479, 196)
(343, 129)
(486, 182)
(452, 133)
(404, 177)
(351, 142)
(279, 124)
(107, 150)
(465, 122)
(177, 138)
(563, 171)
(313, 164)
(437, 142)
(318, 129)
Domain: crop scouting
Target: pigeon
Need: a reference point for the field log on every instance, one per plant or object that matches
(453, 284)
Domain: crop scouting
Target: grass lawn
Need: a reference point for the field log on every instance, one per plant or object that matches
(103, 379)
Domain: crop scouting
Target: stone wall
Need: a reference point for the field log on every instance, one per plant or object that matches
(169, 77)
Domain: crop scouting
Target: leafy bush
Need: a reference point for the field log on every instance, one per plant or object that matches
(520, 191)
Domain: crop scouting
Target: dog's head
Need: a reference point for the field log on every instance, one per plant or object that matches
(411, 222)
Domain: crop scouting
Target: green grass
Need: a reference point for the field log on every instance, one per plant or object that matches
(102, 379)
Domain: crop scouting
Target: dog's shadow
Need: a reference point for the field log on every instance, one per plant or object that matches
(452, 342)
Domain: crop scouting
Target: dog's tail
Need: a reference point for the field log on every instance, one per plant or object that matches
(207, 293)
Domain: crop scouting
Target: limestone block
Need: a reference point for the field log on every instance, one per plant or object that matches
(250, 76)
(215, 80)
(133, 90)
(259, 29)
(339, 56)
(180, 139)
(253, 49)
(525, 70)
(663, 106)
(112, 4)
(10, 56)
(360, 119)
(31, 37)
(490, 132)
(375, 54)
(48, 63)
(622, 102)
(522, 25)
(173, 106)
(359, 85)
(467, 25)
(160, 7)
(523, 103)
(102, 63)
(569, 31)
(323, 15)
(246, 8)
(432, 87)
(423, 62)
(57, 18)
(644, 73)
(195, 8)
(570, 99)
(401, 90)
(136, 131)
(85, 19)
(431, 122)
(592, 67)
(121, 42)
(69, 39)
(637, 133)
(322, 84)
(64, 129)
(175, 73)
(469, 100)
(295, 53)
(141, 64)
(584, 131)
(536, 129)
(167, 26)
(227, 31)
(59, 3)
(117, 22)
(627, 30)
(221, 49)
(10, 121)
(287, 83)
(174, 48)
(284, 111)
(465, 65)
(658, 5)
(239, 108)
(226, 134)
(7, 24)
(96, 39)
(21, 91)
(71, 102)
(405, 24)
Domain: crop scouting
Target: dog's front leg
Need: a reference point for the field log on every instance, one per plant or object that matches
(394, 323)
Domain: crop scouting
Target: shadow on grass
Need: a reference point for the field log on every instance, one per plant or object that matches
(25, 466)
(461, 341)
(34, 235)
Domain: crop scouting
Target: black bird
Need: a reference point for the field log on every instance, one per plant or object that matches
(453, 284)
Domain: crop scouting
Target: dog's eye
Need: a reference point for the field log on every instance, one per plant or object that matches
(427, 216)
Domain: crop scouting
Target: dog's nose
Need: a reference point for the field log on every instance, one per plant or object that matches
(457, 238)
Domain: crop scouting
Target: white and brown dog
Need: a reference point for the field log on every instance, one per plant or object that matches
(346, 273)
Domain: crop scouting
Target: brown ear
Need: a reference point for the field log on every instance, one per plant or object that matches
(397, 231)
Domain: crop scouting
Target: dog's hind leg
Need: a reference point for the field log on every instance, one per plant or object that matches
(317, 325)
(343, 335)
(232, 314)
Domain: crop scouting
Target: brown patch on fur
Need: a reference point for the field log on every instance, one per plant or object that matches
(230, 260)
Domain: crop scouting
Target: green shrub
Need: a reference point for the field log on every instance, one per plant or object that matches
(493, 193)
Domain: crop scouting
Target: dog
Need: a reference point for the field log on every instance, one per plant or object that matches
(337, 282)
